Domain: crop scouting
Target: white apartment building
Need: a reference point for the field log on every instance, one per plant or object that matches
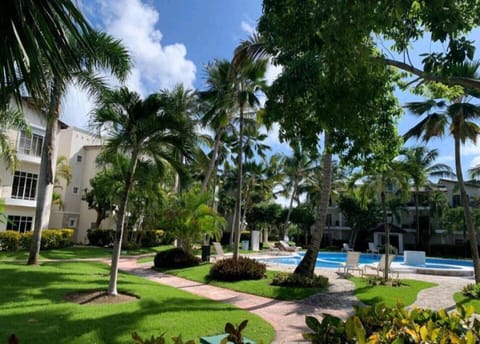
(19, 188)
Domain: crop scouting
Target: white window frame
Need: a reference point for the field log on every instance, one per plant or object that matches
(30, 144)
(24, 185)
(19, 223)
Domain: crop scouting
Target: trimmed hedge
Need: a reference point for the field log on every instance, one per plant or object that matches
(100, 237)
(286, 279)
(236, 270)
(144, 238)
(175, 258)
(51, 238)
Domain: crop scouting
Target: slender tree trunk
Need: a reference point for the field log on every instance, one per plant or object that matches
(213, 161)
(387, 235)
(307, 265)
(238, 204)
(46, 175)
(290, 207)
(417, 218)
(467, 214)
(122, 210)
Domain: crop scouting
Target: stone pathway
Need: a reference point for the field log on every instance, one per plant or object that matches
(288, 317)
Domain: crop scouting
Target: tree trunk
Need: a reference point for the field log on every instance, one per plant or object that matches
(307, 265)
(213, 161)
(466, 210)
(46, 176)
(122, 210)
(387, 235)
(290, 207)
(417, 219)
(238, 202)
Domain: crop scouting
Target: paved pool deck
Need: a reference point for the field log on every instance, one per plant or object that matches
(288, 317)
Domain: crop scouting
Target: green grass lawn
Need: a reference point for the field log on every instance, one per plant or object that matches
(407, 293)
(78, 252)
(257, 287)
(465, 301)
(33, 307)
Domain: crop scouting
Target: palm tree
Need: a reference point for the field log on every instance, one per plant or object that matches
(420, 164)
(219, 107)
(63, 171)
(386, 182)
(458, 118)
(109, 54)
(35, 33)
(246, 81)
(140, 129)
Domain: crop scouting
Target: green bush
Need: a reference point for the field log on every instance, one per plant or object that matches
(379, 280)
(382, 324)
(10, 240)
(175, 258)
(285, 279)
(472, 290)
(100, 237)
(151, 238)
(236, 270)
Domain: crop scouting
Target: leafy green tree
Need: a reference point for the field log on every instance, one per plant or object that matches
(63, 171)
(109, 54)
(420, 163)
(459, 118)
(359, 216)
(188, 217)
(140, 129)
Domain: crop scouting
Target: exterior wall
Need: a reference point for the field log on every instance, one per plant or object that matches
(81, 149)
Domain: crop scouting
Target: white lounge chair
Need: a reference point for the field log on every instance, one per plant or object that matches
(380, 266)
(351, 264)
(219, 254)
(284, 246)
(372, 248)
(346, 247)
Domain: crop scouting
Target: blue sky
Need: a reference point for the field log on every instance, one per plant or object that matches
(172, 40)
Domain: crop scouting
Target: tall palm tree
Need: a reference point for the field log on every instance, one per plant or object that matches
(420, 163)
(140, 129)
(109, 54)
(218, 105)
(35, 33)
(384, 182)
(246, 81)
(459, 119)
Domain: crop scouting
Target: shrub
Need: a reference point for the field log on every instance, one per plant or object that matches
(100, 237)
(379, 280)
(294, 280)
(56, 238)
(26, 240)
(382, 324)
(472, 290)
(150, 238)
(235, 270)
(10, 240)
(175, 258)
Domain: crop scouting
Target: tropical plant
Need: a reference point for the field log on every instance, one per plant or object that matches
(188, 218)
(38, 35)
(458, 118)
(109, 54)
(420, 164)
(63, 171)
(141, 129)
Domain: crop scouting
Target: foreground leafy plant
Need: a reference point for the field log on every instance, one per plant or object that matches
(472, 290)
(381, 324)
(234, 333)
(159, 340)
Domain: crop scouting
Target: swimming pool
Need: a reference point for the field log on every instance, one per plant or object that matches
(332, 260)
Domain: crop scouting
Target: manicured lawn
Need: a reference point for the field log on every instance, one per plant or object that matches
(407, 293)
(78, 252)
(461, 299)
(257, 287)
(33, 307)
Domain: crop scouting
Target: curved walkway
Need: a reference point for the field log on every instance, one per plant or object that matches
(288, 317)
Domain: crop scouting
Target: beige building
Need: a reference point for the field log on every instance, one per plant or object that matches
(19, 188)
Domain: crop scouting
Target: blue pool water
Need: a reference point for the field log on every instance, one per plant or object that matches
(333, 259)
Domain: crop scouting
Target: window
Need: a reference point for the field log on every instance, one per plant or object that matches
(20, 224)
(79, 158)
(72, 222)
(30, 144)
(456, 201)
(24, 185)
(75, 189)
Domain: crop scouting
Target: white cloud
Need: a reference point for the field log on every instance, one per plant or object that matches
(474, 162)
(76, 107)
(272, 72)
(247, 27)
(445, 159)
(471, 149)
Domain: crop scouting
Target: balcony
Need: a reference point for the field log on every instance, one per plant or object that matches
(29, 158)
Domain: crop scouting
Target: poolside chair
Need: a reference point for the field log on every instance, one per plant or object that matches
(372, 248)
(219, 254)
(380, 266)
(352, 263)
(284, 246)
(346, 247)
